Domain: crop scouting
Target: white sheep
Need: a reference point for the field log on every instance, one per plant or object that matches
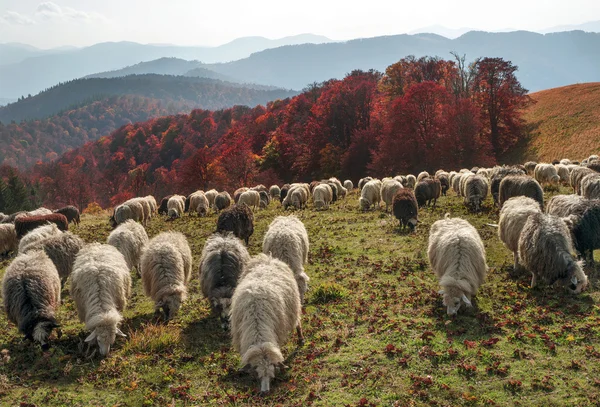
(322, 196)
(175, 206)
(590, 186)
(475, 191)
(265, 309)
(129, 238)
(513, 215)
(200, 203)
(210, 197)
(287, 240)
(166, 267)
(389, 189)
(563, 173)
(370, 195)
(422, 175)
(411, 181)
(546, 174)
(348, 185)
(8, 238)
(100, 287)
(275, 191)
(457, 257)
(297, 196)
(36, 235)
(250, 198)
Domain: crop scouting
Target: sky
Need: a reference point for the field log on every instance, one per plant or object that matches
(48, 24)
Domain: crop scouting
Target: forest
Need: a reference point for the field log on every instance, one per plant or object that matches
(420, 114)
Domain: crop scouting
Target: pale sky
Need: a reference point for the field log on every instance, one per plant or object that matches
(47, 24)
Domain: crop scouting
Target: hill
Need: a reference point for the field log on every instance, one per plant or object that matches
(196, 92)
(43, 70)
(564, 122)
(544, 61)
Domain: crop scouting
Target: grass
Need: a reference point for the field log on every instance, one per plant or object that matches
(375, 328)
(563, 123)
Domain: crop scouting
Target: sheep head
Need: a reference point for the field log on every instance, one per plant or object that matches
(104, 336)
(222, 306)
(578, 281)
(42, 331)
(170, 304)
(264, 359)
(412, 224)
(453, 297)
(201, 210)
(364, 203)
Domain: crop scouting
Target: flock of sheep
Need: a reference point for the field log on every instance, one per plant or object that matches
(259, 299)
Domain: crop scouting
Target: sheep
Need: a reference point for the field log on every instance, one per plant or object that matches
(348, 185)
(463, 181)
(363, 181)
(563, 173)
(222, 201)
(563, 205)
(287, 240)
(100, 287)
(8, 238)
(127, 210)
(38, 212)
(334, 190)
(260, 187)
(422, 175)
(297, 196)
(31, 294)
(265, 308)
(129, 238)
(388, 190)
(483, 172)
(595, 166)
(405, 208)
(565, 161)
(456, 183)
(545, 250)
(457, 257)
(577, 174)
(370, 195)
(520, 185)
(199, 203)
(427, 190)
(584, 223)
(37, 235)
(71, 213)
(166, 268)
(61, 248)
(210, 196)
(138, 209)
(144, 204)
(11, 218)
(250, 198)
(546, 174)
(444, 181)
(341, 191)
(475, 191)
(498, 174)
(223, 259)
(26, 224)
(163, 208)
(265, 199)
(530, 167)
(274, 191)
(237, 219)
(238, 192)
(283, 192)
(322, 196)
(175, 206)
(152, 201)
(411, 181)
(593, 157)
(590, 186)
(513, 215)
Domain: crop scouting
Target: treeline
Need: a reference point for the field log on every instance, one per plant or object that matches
(421, 114)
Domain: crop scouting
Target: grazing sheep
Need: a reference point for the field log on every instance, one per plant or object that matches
(297, 196)
(457, 257)
(38, 212)
(498, 174)
(593, 157)
(8, 238)
(100, 287)
(475, 191)
(237, 219)
(287, 240)
(175, 206)
(483, 172)
(25, 224)
(444, 179)
(563, 205)
(274, 191)
(322, 196)
(363, 181)
(341, 191)
(265, 309)
(129, 238)
(11, 218)
(405, 208)
(31, 293)
(199, 203)
(520, 185)
(584, 223)
(513, 215)
(238, 192)
(223, 259)
(422, 175)
(260, 187)
(577, 175)
(388, 190)
(456, 184)
(222, 201)
(163, 209)
(546, 250)
(166, 267)
(348, 185)
(250, 198)
(530, 167)
(265, 199)
(370, 195)
(411, 181)
(210, 196)
(563, 173)
(590, 186)
(37, 235)
(565, 161)
(427, 190)
(145, 207)
(128, 210)
(152, 203)
(71, 213)
(283, 192)
(334, 190)
(546, 174)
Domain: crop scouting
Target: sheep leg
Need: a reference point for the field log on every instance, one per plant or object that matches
(516, 257)
(533, 281)
(300, 335)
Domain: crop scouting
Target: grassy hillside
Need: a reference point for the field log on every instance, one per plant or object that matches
(565, 122)
(376, 331)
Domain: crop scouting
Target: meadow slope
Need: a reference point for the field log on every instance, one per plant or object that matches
(376, 331)
(564, 122)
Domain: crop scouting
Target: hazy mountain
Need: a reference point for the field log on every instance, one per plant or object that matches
(443, 31)
(591, 26)
(5, 101)
(544, 61)
(40, 71)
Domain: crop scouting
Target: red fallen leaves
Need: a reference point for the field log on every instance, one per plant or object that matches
(467, 369)
(490, 342)
(421, 382)
(427, 335)
(496, 369)
(513, 385)
(470, 344)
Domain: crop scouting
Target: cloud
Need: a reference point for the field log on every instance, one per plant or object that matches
(14, 18)
(52, 11)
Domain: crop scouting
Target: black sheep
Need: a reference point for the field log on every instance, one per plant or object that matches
(238, 219)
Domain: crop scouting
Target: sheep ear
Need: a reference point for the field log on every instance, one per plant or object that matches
(466, 300)
(574, 280)
(120, 333)
(91, 336)
(441, 292)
